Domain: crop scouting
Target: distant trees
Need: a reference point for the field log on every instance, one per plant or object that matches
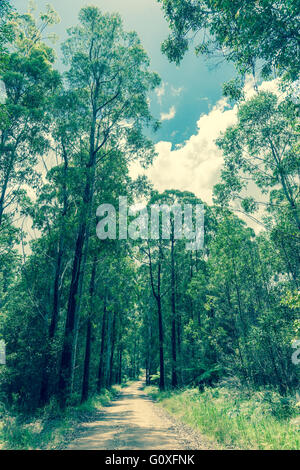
(222, 309)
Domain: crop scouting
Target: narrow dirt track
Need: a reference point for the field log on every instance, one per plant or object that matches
(134, 422)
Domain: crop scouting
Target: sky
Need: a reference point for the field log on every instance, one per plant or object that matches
(196, 164)
(189, 101)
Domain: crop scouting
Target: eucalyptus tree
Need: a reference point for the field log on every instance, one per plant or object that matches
(110, 284)
(262, 148)
(156, 286)
(110, 70)
(28, 81)
(53, 211)
(262, 34)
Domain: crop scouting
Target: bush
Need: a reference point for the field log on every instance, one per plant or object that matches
(50, 428)
(235, 417)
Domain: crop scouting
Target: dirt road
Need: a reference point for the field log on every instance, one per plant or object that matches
(134, 422)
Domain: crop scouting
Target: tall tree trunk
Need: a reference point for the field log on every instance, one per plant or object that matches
(180, 377)
(65, 374)
(108, 351)
(66, 359)
(77, 315)
(161, 346)
(173, 303)
(5, 185)
(148, 357)
(133, 363)
(120, 364)
(100, 382)
(157, 296)
(87, 358)
(120, 351)
(111, 365)
(44, 394)
(68, 345)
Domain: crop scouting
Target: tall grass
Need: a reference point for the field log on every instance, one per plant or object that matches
(235, 419)
(50, 428)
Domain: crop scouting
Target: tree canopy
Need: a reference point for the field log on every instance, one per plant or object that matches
(247, 33)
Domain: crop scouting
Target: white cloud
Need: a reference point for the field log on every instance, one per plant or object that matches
(272, 86)
(176, 91)
(160, 92)
(195, 165)
(166, 88)
(169, 115)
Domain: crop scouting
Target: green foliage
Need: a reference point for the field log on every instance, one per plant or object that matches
(243, 32)
(28, 81)
(235, 418)
(234, 90)
(261, 149)
(6, 28)
(50, 428)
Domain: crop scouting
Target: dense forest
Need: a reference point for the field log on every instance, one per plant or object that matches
(79, 314)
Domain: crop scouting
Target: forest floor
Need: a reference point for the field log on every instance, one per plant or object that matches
(133, 422)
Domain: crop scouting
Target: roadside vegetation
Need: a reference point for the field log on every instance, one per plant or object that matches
(246, 419)
(50, 427)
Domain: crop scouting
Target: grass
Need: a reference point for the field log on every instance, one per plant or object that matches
(50, 428)
(261, 420)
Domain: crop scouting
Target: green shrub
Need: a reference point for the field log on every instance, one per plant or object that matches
(237, 418)
(50, 428)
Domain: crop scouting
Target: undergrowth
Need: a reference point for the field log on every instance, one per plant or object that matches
(237, 419)
(50, 427)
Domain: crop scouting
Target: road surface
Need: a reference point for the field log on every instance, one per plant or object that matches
(134, 422)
